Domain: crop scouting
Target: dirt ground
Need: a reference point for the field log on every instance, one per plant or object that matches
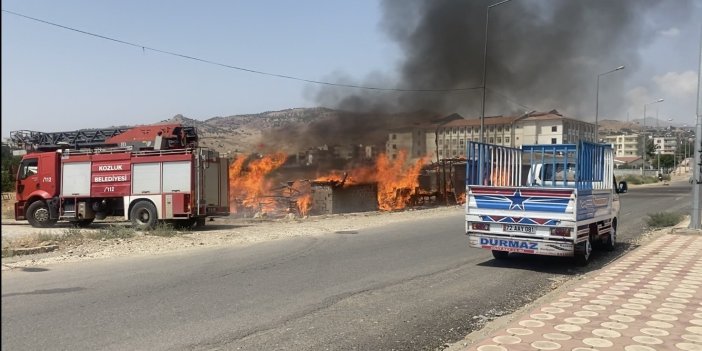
(221, 232)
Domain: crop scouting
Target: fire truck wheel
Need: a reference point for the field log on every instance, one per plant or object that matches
(38, 215)
(500, 255)
(143, 215)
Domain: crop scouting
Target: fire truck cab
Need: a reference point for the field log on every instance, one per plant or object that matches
(144, 174)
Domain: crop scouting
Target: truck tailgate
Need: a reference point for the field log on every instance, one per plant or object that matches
(556, 203)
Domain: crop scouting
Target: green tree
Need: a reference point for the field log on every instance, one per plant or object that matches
(667, 161)
(650, 150)
(6, 165)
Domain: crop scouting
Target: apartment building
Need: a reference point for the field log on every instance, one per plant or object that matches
(552, 128)
(412, 140)
(625, 145)
(667, 145)
(448, 138)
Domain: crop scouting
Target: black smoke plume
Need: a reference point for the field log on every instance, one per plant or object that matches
(542, 55)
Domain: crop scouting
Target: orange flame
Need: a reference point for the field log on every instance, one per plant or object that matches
(301, 191)
(304, 203)
(499, 177)
(248, 186)
(396, 181)
(461, 199)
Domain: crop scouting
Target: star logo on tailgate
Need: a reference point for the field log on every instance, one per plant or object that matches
(517, 201)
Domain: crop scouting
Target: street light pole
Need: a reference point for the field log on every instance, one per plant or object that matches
(643, 134)
(482, 108)
(597, 102)
(696, 215)
(658, 152)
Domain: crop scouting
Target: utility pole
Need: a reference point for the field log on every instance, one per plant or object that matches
(695, 216)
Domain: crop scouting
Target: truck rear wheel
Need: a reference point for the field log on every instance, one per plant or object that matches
(583, 252)
(611, 242)
(39, 216)
(143, 215)
(500, 255)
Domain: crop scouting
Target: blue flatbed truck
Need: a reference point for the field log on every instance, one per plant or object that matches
(555, 200)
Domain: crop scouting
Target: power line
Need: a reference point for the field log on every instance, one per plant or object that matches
(284, 76)
(510, 100)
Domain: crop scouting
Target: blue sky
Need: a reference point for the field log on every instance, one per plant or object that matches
(56, 80)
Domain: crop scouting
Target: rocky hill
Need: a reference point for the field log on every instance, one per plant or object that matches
(244, 133)
(296, 129)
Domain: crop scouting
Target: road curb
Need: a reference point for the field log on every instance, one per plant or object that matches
(10, 252)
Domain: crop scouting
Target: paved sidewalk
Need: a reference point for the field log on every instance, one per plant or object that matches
(650, 299)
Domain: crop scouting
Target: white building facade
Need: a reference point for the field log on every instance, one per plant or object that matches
(625, 145)
(448, 140)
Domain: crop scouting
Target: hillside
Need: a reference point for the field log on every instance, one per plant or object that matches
(244, 133)
(635, 125)
(295, 129)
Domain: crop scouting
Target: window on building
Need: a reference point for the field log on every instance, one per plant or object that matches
(441, 152)
(499, 140)
(554, 129)
(491, 140)
(394, 146)
(463, 130)
(507, 129)
(499, 129)
(455, 130)
(554, 141)
(506, 139)
(441, 142)
(492, 128)
(460, 142)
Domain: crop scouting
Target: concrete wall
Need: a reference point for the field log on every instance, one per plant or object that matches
(328, 199)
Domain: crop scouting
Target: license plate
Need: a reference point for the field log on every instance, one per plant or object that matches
(518, 228)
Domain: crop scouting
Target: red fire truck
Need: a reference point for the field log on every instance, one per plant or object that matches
(145, 174)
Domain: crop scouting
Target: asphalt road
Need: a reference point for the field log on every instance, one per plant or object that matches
(400, 287)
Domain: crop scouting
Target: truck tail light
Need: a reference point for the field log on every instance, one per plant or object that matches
(560, 231)
(480, 226)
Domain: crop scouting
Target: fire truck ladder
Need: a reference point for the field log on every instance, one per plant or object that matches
(31, 140)
(96, 138)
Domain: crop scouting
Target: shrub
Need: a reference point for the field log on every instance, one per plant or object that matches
(663, 219)
(112, 232)
(164, 229)
(637, 179)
